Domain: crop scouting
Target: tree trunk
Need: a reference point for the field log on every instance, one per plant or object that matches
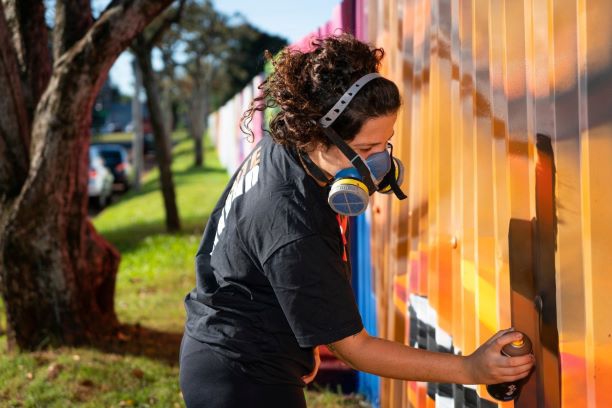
(205, 113)
(138, 140)
(168, 116)
(197, 107)
(163, 157)
(57, 275)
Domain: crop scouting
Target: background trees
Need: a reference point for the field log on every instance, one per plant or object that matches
(214, 57)
(142, 48)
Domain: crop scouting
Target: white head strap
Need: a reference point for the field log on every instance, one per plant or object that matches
(344, 100)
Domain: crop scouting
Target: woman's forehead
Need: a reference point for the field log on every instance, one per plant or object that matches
(376, 130)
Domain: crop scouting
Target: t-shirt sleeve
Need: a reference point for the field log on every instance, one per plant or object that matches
(311, 284)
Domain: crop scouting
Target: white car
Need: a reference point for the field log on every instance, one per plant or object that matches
(100, 187)
(116, 159)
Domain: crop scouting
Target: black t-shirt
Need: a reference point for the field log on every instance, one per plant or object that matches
(273, 278)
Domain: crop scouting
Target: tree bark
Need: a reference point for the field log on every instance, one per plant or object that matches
(170, 80)
(14, 125)
(198, 106)
(30, 39)
(138, 140)
(72, 20)
(57, 274)
(162, 153)
(168, 113)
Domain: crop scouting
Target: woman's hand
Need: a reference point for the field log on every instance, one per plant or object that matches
(488, 366)
(317, 358)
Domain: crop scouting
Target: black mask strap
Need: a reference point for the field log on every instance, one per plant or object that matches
(355, 159)
(393, 182)
(330, 117)
(314, 170)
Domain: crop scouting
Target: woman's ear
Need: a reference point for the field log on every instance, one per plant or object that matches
(321, 147)
(315, 146)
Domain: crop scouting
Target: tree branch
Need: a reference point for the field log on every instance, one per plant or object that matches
(14, 126)
(72, 20)
(26, 21)
(110, 6)
(166, 23)
(107, 38)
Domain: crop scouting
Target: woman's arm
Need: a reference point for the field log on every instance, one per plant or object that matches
(395, 360)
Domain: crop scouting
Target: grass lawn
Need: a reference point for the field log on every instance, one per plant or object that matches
(155, 273)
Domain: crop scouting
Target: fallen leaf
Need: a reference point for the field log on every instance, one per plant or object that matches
(54, 370)
(41, 359)
(138, 373)
(122, 337)
(87, 383)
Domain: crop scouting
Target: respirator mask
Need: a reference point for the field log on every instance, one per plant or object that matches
(352, 187)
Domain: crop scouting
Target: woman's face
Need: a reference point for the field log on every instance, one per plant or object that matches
(372, 138)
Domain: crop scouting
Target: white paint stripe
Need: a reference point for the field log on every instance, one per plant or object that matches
(444, 402)
(443, 338)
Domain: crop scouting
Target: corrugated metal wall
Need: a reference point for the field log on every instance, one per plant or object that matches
(507, 132)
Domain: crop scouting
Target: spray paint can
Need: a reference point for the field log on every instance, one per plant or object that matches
(509, 391)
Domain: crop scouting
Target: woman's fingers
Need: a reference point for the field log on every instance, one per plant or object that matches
(488, 365)
(506, 337)
(527, 359)
(512, 375)
(514, 368)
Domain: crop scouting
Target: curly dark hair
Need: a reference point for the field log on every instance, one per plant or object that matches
(305, 85)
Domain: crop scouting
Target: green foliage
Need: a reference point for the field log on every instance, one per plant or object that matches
(222, 53)
(246, 57)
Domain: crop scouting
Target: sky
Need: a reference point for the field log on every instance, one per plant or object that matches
(292, 19)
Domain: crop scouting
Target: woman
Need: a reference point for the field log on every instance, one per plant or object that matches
(273, 274)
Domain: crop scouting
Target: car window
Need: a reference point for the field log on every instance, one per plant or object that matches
(93, 153)
(111, 158)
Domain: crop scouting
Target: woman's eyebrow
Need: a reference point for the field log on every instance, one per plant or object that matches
(366, 144)
(373, 144)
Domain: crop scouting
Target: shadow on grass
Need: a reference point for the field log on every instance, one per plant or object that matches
(129, 238)
(191, 170)
(153, 185)
(190, 150)
(132, 340)
(136, 340)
